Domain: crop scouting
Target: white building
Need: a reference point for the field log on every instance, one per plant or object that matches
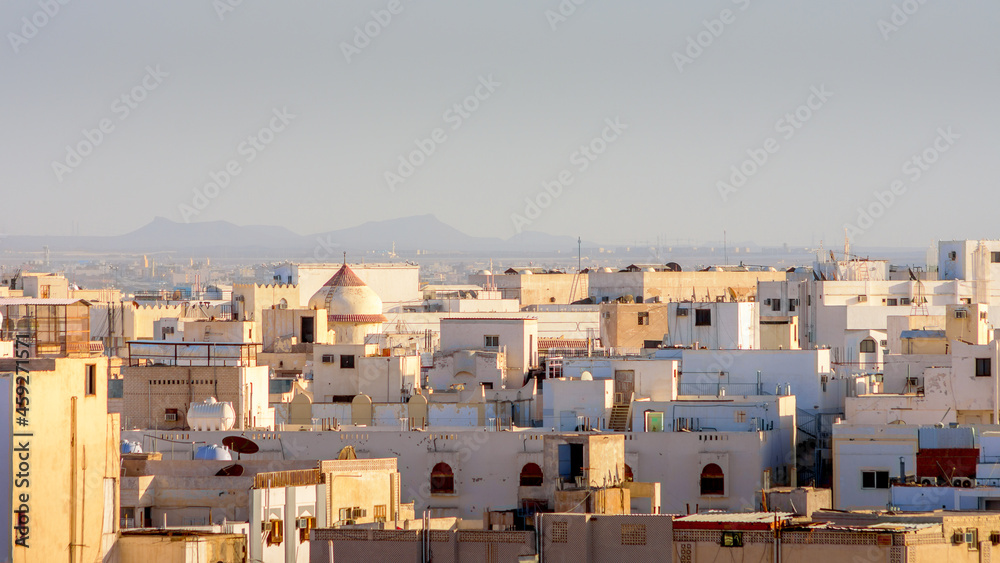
(397, 284)
(715, 325)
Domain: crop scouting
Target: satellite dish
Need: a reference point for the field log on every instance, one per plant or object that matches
(234, 470)
(240, 445)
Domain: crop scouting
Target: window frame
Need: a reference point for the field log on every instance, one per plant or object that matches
(984, 362)
(347, 361)
(90, 380)
(702, 317)
(875, 474)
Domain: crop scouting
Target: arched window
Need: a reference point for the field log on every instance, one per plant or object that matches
(442, 479)
(868, 346)
(531, 475)
(628, 473)
(713, 482)
(282, 304)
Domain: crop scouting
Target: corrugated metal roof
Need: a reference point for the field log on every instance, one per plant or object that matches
(930, 437)
(4, 301)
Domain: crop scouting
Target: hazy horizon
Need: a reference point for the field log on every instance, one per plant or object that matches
(672, 97)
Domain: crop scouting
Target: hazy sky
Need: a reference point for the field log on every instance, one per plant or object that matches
(337, 95)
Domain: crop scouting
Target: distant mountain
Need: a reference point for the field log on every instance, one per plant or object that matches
(419, 232)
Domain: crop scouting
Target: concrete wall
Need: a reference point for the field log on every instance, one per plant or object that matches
(150, 390)
(732, 326)
(517, 337)
(869, 448)
(621, 328)
(478, 457)
(536, 289)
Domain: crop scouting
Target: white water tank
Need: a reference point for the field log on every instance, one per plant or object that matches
(215, 452)
(211, 415)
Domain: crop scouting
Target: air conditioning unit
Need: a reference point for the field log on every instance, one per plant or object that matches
(958, 537)
(170, 415)
(767, 301)
(302, 523)
(682, 312)
(359, 513)
(327, 358)
(862, 298)
(265, 527)
(961, 313)
(994, 537)
(928, 481)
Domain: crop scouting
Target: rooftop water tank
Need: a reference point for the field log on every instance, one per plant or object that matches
(129, 447)
(211, 415)
(215, 452)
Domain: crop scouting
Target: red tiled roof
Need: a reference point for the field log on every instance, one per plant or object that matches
(345, 277)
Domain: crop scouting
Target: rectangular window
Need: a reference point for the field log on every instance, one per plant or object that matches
(983, 367)
(775, 304)
(867, 346)
(995, 257)
(972, 535)
(491, 341)
(90, 386)
(347, 361)
(702, 317)
(874, 479)
(643, 318)
(904, 300)
(891, 302)
(792, 303)
(380, 512)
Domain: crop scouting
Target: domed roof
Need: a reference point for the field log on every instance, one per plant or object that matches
(347, 299)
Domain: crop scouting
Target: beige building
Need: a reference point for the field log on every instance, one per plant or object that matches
(163, 379)
(286, 506)
(531, 287)
(62, 478)
(631, 326)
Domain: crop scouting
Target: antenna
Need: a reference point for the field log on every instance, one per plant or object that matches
(579, 254)
(725, 249)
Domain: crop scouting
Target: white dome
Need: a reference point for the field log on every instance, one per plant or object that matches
(586, 376)
(485, 273)
(347, 299)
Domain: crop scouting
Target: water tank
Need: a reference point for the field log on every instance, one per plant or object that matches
(129, 447)
(211, 415)
(215, 452)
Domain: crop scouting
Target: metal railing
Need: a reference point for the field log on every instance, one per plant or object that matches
(717, 389)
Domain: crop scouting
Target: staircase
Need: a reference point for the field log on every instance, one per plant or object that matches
(620, 419)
